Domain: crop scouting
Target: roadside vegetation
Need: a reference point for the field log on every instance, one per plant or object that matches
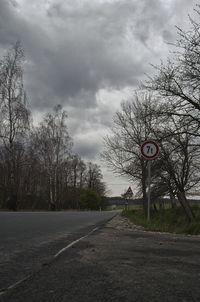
(167, 220)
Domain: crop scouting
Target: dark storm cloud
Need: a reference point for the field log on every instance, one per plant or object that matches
(89, 55)
(87, 148)
(77, 47)
(8, 30)
(74, 49)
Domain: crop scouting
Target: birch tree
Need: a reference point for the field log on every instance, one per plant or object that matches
(53, 145)
(14, 115)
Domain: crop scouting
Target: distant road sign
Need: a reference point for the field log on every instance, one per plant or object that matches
(149, 149)
(129, 192)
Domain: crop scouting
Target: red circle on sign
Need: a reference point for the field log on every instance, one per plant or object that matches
(149, 149)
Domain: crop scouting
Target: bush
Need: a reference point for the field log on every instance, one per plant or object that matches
(90, 199)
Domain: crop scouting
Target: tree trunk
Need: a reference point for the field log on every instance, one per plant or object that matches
(51, 203)
(75, 177)
(184, 202)
(144, 196)
(173, 201)
(160, 204)
(55, 187)
(144, 193)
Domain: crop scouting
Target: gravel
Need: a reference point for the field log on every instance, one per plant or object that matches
(119, 262)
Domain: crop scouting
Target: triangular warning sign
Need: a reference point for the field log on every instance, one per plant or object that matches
(129, 191)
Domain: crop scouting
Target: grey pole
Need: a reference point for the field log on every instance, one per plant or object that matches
(149, 185)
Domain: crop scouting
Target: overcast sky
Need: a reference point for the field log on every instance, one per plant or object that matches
(88, 56)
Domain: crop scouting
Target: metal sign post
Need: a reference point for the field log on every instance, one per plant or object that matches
(128, 195)
(149, 150)
(149, 189)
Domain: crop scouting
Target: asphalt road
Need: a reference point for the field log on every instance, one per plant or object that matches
(119, 262)
(29, 240)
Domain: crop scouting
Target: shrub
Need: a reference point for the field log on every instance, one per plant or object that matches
(90, 199)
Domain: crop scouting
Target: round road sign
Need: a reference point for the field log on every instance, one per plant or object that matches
(149, 149)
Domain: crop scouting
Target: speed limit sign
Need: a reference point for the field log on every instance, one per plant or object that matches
(149, 149)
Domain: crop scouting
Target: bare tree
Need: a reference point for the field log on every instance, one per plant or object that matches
(179, 157)
(132, 126)
(14, 121)
(177, 81)
(37, 166)
(177, 167)
(53, 145)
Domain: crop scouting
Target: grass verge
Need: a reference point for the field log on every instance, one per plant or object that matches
(168, 220)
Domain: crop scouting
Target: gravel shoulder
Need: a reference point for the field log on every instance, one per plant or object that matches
(119, 262)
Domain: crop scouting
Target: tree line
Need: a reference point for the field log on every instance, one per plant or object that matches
(165, 108)
(38, 167)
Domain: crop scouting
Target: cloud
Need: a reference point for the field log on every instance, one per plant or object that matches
(75, 48)
(89, 55)
(88, 146)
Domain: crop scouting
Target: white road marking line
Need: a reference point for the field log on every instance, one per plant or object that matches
(5, 290)
(74, 242)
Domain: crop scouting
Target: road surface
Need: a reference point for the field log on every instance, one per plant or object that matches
(119, 262)
(30, 239)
